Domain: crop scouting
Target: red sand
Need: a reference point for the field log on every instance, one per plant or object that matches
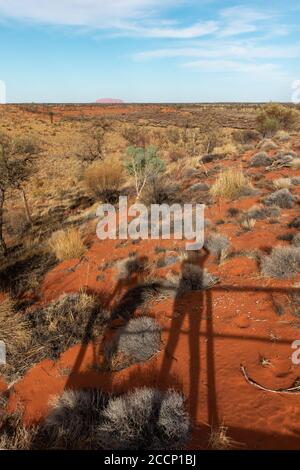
(206, 336)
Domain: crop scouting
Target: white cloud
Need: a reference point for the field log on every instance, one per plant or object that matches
(231, 66)
(97, 13)
(241, 20)
(125, 17)
(218, 49)
(194, 31)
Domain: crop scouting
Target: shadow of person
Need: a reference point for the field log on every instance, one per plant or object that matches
(182, 309)
(115, 302)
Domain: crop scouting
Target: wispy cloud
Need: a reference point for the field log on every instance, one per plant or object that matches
(231, 66)
(242, 19)
(194, 31)
(94, 13)
(219, 49)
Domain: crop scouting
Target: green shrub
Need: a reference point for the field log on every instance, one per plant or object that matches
(143, 164)
(274, 117)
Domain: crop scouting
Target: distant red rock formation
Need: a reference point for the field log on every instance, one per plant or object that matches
(109, 100)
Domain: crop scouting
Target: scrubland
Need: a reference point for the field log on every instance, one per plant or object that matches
(140, 344)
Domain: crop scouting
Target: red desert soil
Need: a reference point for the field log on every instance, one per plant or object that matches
(206, 337)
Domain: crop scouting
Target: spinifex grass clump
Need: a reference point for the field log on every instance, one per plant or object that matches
(281, 198)
(71, 319)
(104, 179)
(144, 418)
(16, 334)
(283, 263)
(67, 244)
(217, 244)
(136, 342)
(230, 184)
(260, 159)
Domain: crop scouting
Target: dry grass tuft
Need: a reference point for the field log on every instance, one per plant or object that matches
(295, 164)
(282, 183)
(230, 184)
(104, 179)
(66, 321)
(67, 244)
(13, 434)
(219, 440)
(14, 329)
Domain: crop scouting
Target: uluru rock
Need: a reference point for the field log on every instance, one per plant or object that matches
(109, 100)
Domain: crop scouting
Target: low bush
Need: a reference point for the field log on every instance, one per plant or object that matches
(67, 244)
(217, 244)
(283, 263)
(230, 184)
(281, 198)
(260, 159)
(71, 420)
(104, 179)
(274, 117)
(260, 213)
(245, 137)
(267, 145)
(296, 180)
(69, 320)
(14, 329)
(141, 419)
(296, 240)
(160, 191)
(145, 419)
(194, 278)
(135, 342)
(128, 266)
(282, 183)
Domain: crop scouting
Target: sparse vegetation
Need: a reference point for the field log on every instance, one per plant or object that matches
(283, 263)
(282, 183)
(136, 342)
(217, 244)
(260, 159)
(194, 278)
(281, 198)
(219, 439)
(141, 419)
(104, 179)
(145, 419)
(230, 184)
(14, 329)
(16, 159)
(67, 244)
(144, 164)
(71, 319)
(274, 117)
(128, 266)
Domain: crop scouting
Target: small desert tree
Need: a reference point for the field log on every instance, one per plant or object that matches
(136, 136)
(274, 116)
(92, 146)
(15, 167)
(143, 164)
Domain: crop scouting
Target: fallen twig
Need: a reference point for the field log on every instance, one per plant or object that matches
(293, 389)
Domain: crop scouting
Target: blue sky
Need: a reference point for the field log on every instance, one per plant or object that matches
(149, 50)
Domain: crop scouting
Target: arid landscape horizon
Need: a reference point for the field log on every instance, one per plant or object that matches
(142, 344)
